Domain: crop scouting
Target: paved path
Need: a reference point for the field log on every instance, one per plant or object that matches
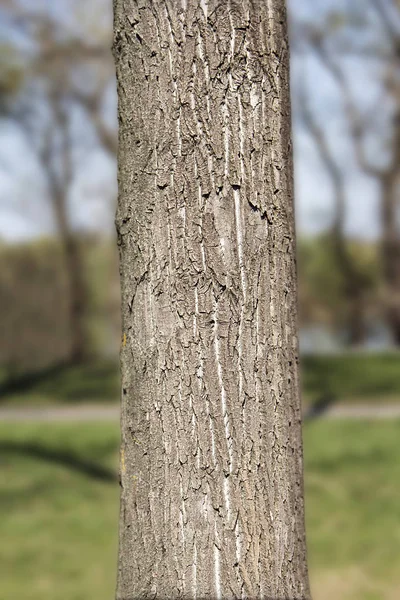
(61, 413)
(362, 411)
(111, 413)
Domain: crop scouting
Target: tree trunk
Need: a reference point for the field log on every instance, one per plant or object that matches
(59, 185)
(211, 454)
(75, 278)
(357, 331)
(391, 249)
(390, 203)
(77, 299)
(353, 289)
(352, 282)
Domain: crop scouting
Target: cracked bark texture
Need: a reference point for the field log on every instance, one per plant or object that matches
(211, 451)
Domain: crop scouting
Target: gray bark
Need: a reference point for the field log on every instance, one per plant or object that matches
(211, 452)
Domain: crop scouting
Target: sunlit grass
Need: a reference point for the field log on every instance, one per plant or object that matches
(58, 530)
(353, 513)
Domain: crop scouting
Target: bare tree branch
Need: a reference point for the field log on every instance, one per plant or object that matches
(357, 124)
(381, 9)
(92, 104)
(353, 283)
(321, 142)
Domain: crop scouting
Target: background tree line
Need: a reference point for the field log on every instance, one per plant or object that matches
(56, 82)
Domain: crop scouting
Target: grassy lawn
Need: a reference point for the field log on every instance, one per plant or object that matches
(352, 377)
(353, 509)
(59, 503)
(59, 526)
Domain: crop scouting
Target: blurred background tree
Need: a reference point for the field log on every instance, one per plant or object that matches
(55, 92)
(344, 39)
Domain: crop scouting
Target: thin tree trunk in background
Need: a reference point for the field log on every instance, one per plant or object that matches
(390, 211)
(352, 282)
(77, 297)
(76, 288)
(59, 186)
(211, 454)
(391, 249)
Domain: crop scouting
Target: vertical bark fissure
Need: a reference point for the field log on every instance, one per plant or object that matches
(211, 503)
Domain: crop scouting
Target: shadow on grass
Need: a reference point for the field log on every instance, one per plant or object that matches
(20, 382)
(319, 407)
(66, 383)
(60, 458)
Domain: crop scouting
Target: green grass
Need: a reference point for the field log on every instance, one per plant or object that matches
(352, 377)
(353, 512)
(59, 527)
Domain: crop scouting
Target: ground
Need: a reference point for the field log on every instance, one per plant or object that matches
(59, 493)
